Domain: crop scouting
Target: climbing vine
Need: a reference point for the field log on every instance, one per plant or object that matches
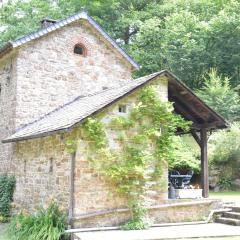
(144, 140)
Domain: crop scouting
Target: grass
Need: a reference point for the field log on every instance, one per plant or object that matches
(3, 232)
(227, 196)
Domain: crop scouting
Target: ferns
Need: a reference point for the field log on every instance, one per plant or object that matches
(45, 224)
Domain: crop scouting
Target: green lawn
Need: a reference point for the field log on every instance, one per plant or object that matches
(3, 234)
(227, 196)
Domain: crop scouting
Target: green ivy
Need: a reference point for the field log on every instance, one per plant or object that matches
(7, 186)
(145, 145)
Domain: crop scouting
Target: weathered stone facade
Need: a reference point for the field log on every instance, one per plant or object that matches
(43, 170)
(45, 74)
(50, 74)
(42, 75)
(7, 108)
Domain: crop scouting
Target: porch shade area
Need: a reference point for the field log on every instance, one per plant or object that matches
(204, 119)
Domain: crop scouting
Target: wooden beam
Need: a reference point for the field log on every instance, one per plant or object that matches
(204, 163)
(71, 200)
(196, 137)
(182, 111)
(189, 105)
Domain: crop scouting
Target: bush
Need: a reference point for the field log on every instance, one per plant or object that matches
(225, 146)
(224, 155)
(7, 186)
(185, 156)
(45, 224)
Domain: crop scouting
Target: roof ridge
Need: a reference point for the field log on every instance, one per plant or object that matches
(64, 22)
(47, 28)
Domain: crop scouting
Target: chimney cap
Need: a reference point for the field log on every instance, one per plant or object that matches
(46, 19)
(46, 22)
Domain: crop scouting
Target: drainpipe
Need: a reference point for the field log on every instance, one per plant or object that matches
(71, 200)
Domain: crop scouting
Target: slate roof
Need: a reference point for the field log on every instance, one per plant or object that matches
(59, 24)
(67, 116)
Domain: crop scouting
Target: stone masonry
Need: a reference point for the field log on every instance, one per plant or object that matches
(7, 108)
(42, 168)
(41, 76)
(45, 74)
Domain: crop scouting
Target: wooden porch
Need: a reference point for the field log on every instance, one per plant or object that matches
(205, 120)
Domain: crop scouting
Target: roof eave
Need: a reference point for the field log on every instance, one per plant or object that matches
(225, 123)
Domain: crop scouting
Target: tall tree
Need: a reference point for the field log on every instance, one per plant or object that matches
(218, 94)
(186, 37)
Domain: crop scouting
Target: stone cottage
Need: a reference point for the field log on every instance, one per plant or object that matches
(50, 82)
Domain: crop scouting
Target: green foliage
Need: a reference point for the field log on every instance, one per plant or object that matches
(224, 155)
(219, 95)
(184, 156)
(145, 144)
(45, 224)
(94, 131)
(225, 183)
(71, 145)
(225, 145)
(139, 219)
(186, 37)
(189, 38)
(7, 187)
(121, 122)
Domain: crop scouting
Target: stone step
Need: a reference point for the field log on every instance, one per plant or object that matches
(229, 221)
(229, 204)
(236, 209)
(234, 215)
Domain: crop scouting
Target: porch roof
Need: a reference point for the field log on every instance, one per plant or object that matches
(67, 116)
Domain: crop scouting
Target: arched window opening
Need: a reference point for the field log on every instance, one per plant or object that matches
(80, 50)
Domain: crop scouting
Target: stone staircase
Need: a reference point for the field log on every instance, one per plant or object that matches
(231, 217)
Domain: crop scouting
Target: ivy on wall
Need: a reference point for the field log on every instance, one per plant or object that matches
(145, 145)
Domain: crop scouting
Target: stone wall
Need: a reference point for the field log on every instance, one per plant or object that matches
(50, 74)
(7, 109)
(225, 177)
(168, 212)
(42, 169)
(45, 74)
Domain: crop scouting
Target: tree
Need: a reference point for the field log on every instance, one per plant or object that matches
(219, 95)
(186, 37)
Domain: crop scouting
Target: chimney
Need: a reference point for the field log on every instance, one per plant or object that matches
(46, 22)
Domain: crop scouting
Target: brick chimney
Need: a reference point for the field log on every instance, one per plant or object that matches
(46, 22)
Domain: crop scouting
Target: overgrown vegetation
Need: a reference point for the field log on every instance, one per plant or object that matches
(185, 156)
(46, 224)
(224, 155)
(218, 94)
(144, 146)
(7, 186)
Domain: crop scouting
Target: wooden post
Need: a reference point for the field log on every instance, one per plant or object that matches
(204, 163)
(71, 200)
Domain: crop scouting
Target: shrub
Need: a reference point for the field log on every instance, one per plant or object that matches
(225, 146)
(45, 224)
(185, 156)
(7, 186)
(224, 155)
